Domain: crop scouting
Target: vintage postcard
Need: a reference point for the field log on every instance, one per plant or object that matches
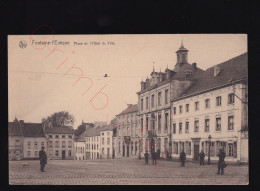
(164, 109)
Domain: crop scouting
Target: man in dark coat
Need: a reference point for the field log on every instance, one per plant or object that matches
(154, 157)
(183, 158)
(43, 159)
(202, 156)
(146, 156)
(221, 161)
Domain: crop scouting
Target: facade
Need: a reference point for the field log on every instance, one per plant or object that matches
(34, 139)
(106, 136)
(60, 142)
(127, 136)
(80, 146)
(92, 138)
(212, 113)
(15, 140)
(154, 103)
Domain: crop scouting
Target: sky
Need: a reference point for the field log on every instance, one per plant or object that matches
(43, 79)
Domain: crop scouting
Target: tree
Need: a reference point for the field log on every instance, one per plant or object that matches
(58, 119)
(81, 128)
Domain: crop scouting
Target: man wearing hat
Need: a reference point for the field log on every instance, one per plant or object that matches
(43, 159)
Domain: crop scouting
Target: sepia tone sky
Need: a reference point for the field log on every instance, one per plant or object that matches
(37, 86)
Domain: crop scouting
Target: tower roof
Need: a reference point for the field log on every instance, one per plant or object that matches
(182, 49)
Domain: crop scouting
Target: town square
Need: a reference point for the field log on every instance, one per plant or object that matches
(130, 116)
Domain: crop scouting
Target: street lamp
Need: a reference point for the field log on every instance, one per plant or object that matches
(209, 149)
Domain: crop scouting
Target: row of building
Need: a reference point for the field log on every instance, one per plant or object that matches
(184, 108)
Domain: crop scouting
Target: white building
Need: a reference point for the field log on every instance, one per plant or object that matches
(215, 106)
(80, 146)
(106, 136)
(93, 143)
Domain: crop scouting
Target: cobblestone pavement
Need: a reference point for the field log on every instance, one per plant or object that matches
(123, 172)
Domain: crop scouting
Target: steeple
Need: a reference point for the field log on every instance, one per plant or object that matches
(182, 55)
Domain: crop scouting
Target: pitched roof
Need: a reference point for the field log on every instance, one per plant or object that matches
(14, 129)
(81, 137)
(59, 130)
(230, 71)
(180, 71)
(130, 109)
(107, 128)
(32, 130)
(94, 131)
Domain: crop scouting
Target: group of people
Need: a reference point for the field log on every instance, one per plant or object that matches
(221, 162)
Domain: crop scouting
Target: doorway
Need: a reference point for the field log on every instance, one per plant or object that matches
(63, 154)
(127, 151)
(196, 151)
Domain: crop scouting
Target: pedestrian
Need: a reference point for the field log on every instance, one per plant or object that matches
(202, 156)
(146, 156)
(43, 159)
(154, 157)
(183, 158)
(221, 161)
(158, 154)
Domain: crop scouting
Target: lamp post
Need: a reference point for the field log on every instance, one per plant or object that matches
(209, 149)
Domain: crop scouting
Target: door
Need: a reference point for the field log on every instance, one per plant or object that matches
(196, 152)
(127, 150)
(63, 154)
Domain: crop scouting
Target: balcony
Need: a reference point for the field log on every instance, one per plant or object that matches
(152, 134)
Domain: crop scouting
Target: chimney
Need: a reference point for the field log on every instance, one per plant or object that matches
(216, 70)
(194, 66)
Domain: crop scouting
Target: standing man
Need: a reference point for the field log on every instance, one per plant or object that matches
(183, 158)
(154, 157)
(43, 159)
(221, 161)
(202, 156)
(146, 155)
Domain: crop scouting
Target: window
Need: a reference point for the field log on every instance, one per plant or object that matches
(70, 136)
(42, 143)
(180, 127)
(70, 144)
(207, 103)
(63, 144)
(147, 102)
(187, 107)
(174, 110)
(103, 141)
(180, 108)
(142, 125)
(174, 128)
(56, 143)
(231, 98)
(166, 96)
(56, 153)
(159, 123)
(218, 101)
(196, 105)
(206, 125)
(146, 124)
(159, 98)
(232, 150)
(152, 100)
(97, 137)
(29, 145)
(108, 141)
(35, 153)
(29, 153)
(187, 127)
(196, 126)
(56, 136)
(63, 136)
(92, 146)
(50, 136)
(175, 147)
(218, 124)
(166, 123)
(69, 153)
(102, 135)
(142, 104)
(50, 143)
(35, 145)
(230, 122)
